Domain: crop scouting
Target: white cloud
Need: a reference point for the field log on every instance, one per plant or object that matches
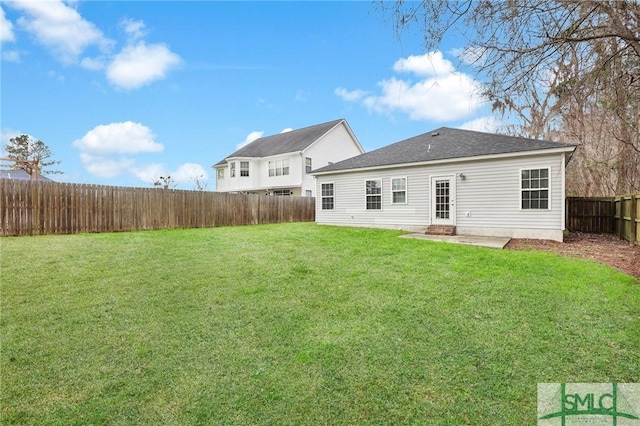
(140, 64)
(150, 173)
(250, 138)
(482, 124)
(11, 56)
(188, 173)
(118, 138)
(185, 174)
(288, 129)
(6, 28)
(134, 29)
(441, 93)
(105, 167)
(93, 64)
(350, 96)
(59, 27)
(429, 64)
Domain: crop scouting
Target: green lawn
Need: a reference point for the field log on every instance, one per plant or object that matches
(296, 324)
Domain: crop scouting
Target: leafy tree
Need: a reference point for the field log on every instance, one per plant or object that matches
(565, 69)
(30, 155)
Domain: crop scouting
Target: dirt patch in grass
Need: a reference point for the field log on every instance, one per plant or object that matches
(604, 248)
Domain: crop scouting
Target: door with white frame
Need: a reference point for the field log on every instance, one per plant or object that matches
(443, 197)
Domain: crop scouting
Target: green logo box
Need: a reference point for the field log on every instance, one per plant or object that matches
(592, 404)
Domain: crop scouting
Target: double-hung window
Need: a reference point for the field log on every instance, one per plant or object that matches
(399, 190)
(373, 194)
(232, 169)
(279, 168)
(534, 189)
(307, 164)
(327, 196)
(220, 173)
(244, 168)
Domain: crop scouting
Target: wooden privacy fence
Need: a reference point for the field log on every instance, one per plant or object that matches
(618, 215)
(38, 208)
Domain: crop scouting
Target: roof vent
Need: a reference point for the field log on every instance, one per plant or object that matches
(435, 134)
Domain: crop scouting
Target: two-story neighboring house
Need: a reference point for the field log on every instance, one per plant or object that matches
(281, 164)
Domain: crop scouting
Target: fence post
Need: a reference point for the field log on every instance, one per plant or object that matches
(634, 219)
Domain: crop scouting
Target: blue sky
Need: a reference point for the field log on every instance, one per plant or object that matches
(124, 92)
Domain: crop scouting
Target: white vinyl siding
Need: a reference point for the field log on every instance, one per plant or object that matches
(488, 197)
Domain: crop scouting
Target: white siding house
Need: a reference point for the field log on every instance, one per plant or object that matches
(479, 183)
(281, 164)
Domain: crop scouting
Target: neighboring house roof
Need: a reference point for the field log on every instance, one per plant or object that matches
(19, 174)
(283, 143)
(443, 144)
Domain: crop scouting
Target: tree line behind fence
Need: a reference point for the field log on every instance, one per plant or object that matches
(38, 208)
(616, 215)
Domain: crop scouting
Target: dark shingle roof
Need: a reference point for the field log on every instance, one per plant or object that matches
(19, 174)
(293, 141)
(442, 144)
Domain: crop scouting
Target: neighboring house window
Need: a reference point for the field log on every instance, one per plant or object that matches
(307, 164)
(220, 173)
(279, 168)
(244, 168)
(534, 189)
(374, 194)
(327, 196)
(308, 193)
(232, 169)
(281, 192)
(399, 190)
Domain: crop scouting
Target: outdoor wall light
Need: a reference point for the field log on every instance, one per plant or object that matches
(462, 176)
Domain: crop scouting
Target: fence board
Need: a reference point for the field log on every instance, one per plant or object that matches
(617, 215)
(37, 208)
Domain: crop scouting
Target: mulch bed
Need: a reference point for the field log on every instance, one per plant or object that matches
(604, 248)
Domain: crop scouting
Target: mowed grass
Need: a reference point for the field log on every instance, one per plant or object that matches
(294, 324)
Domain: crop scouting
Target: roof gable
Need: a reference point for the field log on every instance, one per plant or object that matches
(443, 144)
(283, 143)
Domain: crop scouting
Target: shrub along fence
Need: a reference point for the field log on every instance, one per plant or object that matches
(38, 208)
(617, 215)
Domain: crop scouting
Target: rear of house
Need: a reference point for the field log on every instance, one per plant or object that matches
(281, 164)
(481, 184)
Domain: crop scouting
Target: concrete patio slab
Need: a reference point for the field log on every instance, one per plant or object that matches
(493, 242)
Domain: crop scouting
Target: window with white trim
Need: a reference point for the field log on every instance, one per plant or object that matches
(220, 173)
(281, 192)
(307, 164)
(232, 169)
(327, 196)
(308, 193)
(399, 190)
(279, 168)
(373, 194)
(534, 189)
(244, 168)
